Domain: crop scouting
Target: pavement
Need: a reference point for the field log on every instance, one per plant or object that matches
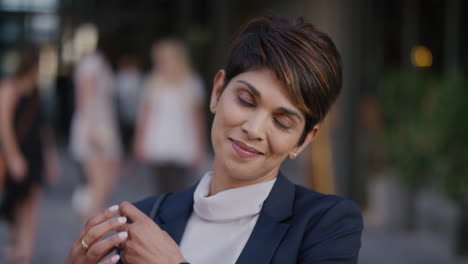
(59, 225)
(386, 247)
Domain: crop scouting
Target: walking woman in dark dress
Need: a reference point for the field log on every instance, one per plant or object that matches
(22, 147)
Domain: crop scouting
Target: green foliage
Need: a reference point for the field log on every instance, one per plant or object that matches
(426, 134)
(450, 159)
(406, 125)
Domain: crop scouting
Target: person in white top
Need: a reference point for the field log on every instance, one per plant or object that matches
(170, 134)
(280, 81)
(95, 142)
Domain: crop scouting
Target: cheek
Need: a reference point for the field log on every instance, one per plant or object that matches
(225, 119)
(281, 144)
(229, 114)
(215, 133)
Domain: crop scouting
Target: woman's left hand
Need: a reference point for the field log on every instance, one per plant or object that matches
(92, 245)
(18, 167)
(146, 242)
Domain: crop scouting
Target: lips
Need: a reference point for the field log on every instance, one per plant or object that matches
(244, 150)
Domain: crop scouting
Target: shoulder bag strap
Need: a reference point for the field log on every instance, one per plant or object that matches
(157, 204)
(154, 212)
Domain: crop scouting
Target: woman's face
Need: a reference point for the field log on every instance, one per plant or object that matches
(255, 127)
(168, 60)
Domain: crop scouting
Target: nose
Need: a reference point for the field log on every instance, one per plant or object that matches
(254, 126)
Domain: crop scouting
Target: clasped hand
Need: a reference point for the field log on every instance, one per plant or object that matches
(141, 241)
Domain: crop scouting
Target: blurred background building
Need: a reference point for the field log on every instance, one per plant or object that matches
(395, 142)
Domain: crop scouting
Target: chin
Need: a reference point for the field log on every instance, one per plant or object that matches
(238, 170)
(245, 172)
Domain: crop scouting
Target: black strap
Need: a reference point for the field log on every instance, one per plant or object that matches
(157, 204)
(154, 212)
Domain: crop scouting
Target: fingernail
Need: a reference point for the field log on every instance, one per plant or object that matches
(123, 235)
(122, 219)
(113, 208)
(115, 258)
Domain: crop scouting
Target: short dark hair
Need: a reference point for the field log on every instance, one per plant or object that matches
(302, 57)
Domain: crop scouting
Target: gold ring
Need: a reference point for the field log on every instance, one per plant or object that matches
(83, 243)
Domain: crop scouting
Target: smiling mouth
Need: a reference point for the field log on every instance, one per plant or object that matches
(243, 149)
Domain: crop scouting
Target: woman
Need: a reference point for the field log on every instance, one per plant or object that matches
(25, 144)
(170, 129)
(280, 81)
(95, 141)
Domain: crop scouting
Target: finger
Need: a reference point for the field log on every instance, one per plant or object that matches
(99, 218)
(110, 260)
(103, 216)
(105, 246)
(97, 231)
(129, 210)
(123, 228)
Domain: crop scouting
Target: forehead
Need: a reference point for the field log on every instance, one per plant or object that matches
(268, 85)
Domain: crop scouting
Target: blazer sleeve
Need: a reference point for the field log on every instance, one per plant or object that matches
(335, 238)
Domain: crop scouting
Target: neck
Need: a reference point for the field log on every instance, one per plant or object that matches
(222, 180)
(174, 77)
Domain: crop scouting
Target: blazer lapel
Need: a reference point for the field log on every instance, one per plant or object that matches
(271, 225)
(175, 212)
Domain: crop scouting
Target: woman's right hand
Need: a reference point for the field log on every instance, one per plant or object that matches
(17, 167)
(91, 247)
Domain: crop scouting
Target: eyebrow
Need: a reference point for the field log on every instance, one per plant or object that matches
(289, 112)
(251, 87)
(283, 110)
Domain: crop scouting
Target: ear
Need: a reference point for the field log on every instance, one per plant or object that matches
(309, 138)
(218, 83)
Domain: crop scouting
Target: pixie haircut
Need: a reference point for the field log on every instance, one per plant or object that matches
(302, 57)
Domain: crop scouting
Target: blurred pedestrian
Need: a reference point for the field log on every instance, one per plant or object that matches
(128, 84)
(25, 144)
(170, 127)
(95, 143)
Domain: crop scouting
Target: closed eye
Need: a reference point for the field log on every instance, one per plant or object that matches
(243, 102)
(284, 121)
(280, 125)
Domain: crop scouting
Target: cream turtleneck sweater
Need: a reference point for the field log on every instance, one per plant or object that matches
(221, 224)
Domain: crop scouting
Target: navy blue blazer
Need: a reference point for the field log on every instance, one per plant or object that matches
(295, 225)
